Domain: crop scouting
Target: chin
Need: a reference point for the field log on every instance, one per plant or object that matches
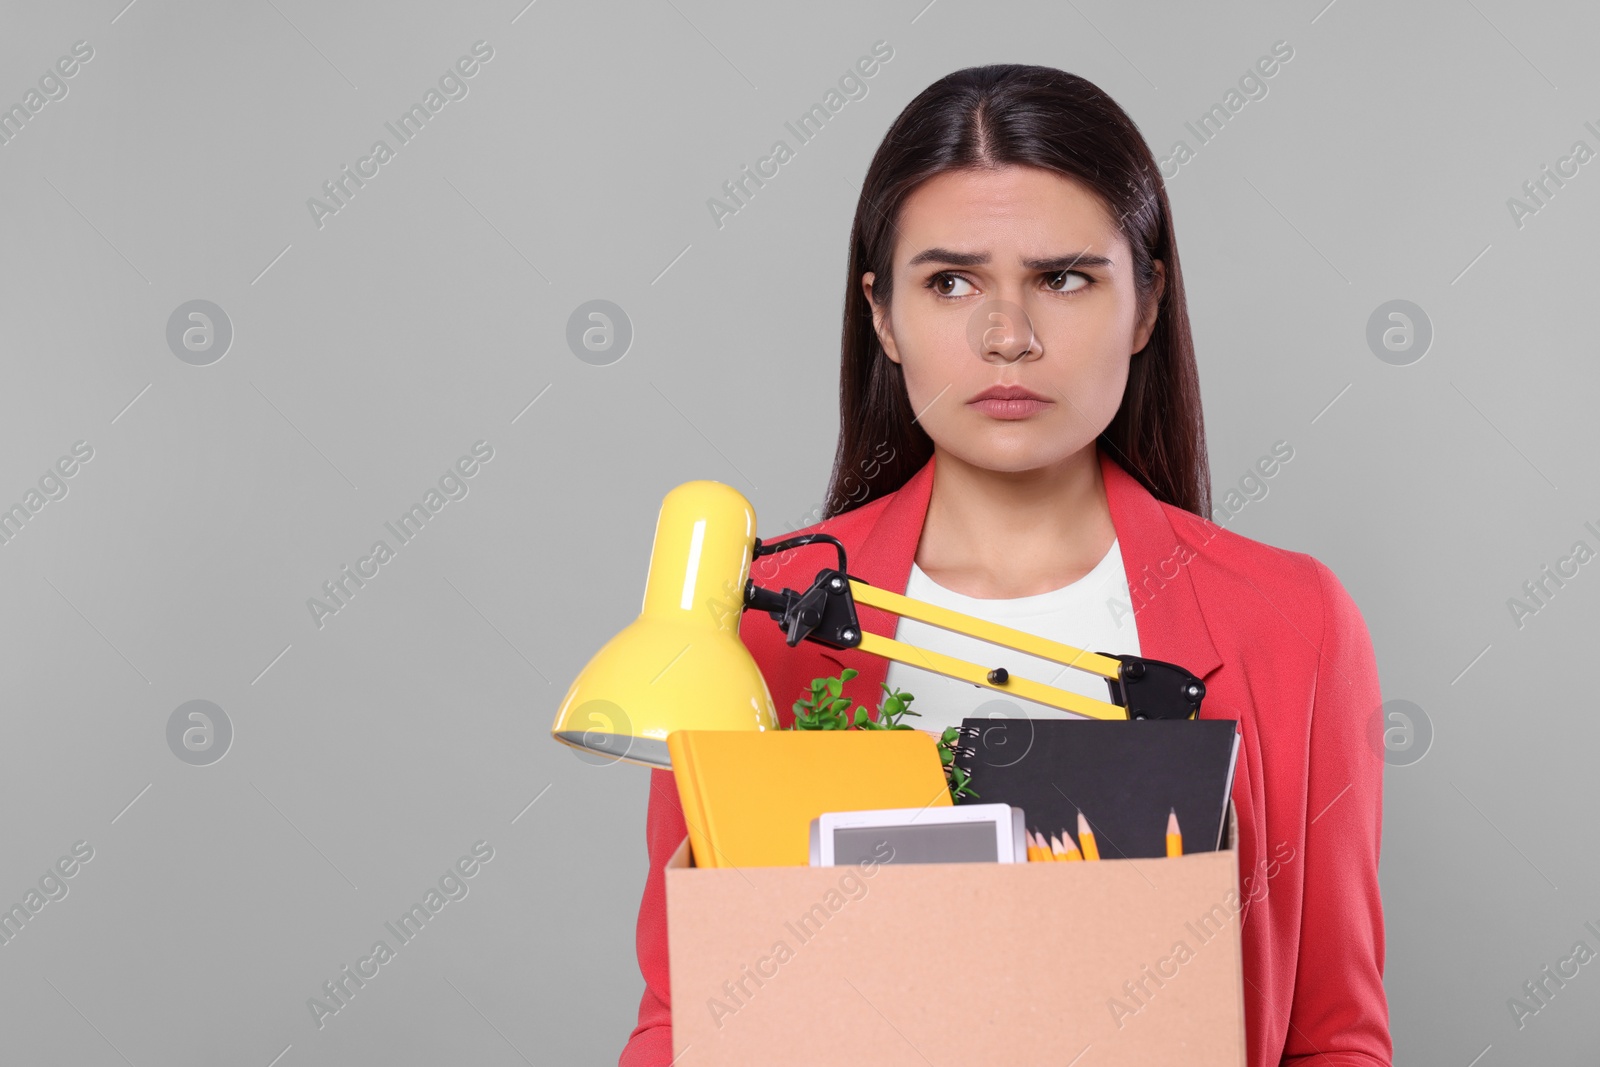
(1020, 459)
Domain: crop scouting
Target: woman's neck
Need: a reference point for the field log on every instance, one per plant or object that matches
(997, 535)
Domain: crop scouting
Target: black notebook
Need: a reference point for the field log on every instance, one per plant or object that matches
(1123, 774)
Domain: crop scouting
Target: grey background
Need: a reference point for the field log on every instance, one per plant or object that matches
(431, 312)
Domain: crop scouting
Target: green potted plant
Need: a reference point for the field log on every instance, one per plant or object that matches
(827, 709)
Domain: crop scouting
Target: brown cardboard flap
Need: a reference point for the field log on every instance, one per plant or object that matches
(969, 963)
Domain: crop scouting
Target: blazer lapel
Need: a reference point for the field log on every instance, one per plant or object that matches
(1168, 616)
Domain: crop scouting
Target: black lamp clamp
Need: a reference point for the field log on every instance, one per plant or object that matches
(826, 614)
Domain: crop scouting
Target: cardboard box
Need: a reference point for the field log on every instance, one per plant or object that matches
(1136, 962)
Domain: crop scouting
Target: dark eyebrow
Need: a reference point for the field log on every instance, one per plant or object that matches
(944, 255)
(1054, 263)
(978, 259)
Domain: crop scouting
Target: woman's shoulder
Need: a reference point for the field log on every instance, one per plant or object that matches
(850, 527)
(1294, 587)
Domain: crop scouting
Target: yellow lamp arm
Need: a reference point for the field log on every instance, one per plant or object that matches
(1140, 688)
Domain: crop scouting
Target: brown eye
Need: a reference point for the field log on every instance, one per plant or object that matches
(946, 284)
(1058, 281)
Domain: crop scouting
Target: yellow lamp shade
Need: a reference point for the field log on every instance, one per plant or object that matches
(680, 665)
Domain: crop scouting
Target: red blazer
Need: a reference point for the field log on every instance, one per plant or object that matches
(1280, 646)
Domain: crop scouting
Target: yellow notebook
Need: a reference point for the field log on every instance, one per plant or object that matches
(749, 797)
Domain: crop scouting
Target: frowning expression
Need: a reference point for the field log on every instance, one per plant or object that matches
(1016, 279)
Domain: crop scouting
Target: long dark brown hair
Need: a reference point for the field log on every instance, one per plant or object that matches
(994, 116)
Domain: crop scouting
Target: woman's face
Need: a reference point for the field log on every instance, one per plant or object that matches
(1015, 277)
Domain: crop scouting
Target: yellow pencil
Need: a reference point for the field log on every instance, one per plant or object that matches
(1065, 852)
(1091, 851)
(1174, 838)
(1035, 854)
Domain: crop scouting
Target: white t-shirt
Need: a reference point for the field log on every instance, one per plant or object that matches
(1085, 614)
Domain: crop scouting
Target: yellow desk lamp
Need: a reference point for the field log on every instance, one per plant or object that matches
(681, 666)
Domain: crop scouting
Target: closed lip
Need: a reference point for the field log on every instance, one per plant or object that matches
(1007, 392)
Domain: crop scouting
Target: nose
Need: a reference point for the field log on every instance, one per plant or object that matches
(1004, 333)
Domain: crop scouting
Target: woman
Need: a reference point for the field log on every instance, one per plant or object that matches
(1019, 423)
